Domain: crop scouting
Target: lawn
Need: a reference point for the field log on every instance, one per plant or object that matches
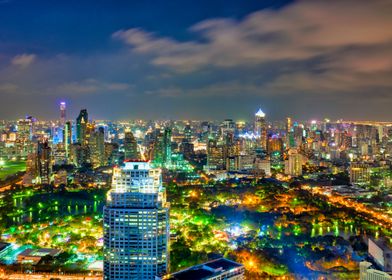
(11, 167)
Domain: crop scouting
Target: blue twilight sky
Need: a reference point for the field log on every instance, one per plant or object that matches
(196, 59)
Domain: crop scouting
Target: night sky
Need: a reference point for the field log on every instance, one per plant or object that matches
(177, 59)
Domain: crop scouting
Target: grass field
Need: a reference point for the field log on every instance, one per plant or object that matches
(11, 167)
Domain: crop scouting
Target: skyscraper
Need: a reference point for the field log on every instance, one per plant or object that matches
(63, 115)
(67, 138)
(130, 146)
(261, 128)
(81, 127)
(96, 147)
(136, 224)
(293, 165)
(167, 151)
(44, 162)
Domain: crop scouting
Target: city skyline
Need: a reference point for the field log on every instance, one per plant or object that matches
(304, 59)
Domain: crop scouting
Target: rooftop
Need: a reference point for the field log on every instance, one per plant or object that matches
(206, 270)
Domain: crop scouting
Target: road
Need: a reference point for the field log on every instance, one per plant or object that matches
(375, 216)
(8, 186)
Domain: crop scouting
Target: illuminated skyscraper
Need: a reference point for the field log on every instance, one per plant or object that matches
(293, 166)
(81, 127)
(261, 128)
(67, 138)
(288, 125)
(96, 147)
(130, 146)
(63, 114)
(24, 136)
(136, 224)
(215, 156)
(167, 149)
(44, 162)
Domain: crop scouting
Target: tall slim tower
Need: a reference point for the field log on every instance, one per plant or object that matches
(136, 224)
(67, 138)
(81, 127)
(44, 162)
(261, 128)
(63, 114)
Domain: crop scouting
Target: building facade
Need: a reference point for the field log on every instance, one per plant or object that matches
(136, 224)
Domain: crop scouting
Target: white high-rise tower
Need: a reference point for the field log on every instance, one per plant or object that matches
(261, 128)
(136, 224)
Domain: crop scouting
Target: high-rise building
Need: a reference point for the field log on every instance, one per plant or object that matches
(293, 165)
(136, 224)
(96, 147)
(359, 173)
(261, 128)
(215, 156)
(167, 149)
(81, 127)
(63, 114)
(44, 162)
(187, 147)
(130, 146)
(24, 136)
(67, 138)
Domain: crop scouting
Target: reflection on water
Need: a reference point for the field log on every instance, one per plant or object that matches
(55, 209)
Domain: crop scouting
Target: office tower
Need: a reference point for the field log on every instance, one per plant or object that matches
(188, 133)
(44, 162)
(187, 147)
(96, 147)
(24, 136)
(288, 125)
(359, 173)
(215, 156)
(29, 178)
(67, 138)
(136, 224)
(212, 270)
(275, 145)
(81, 127)
(293, 165)
(167, 149)
(63, 115)
(59, 154)
(261, 128)
(130, 146)
(227, 127)
(156, 153)
(111, 153)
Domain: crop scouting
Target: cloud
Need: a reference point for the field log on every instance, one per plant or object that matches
(302, 30)
(8, 88)
(23, 60)
(306, 58)
(89, 86)
(310, 47)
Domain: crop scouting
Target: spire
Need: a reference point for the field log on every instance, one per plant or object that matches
(260, 113)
